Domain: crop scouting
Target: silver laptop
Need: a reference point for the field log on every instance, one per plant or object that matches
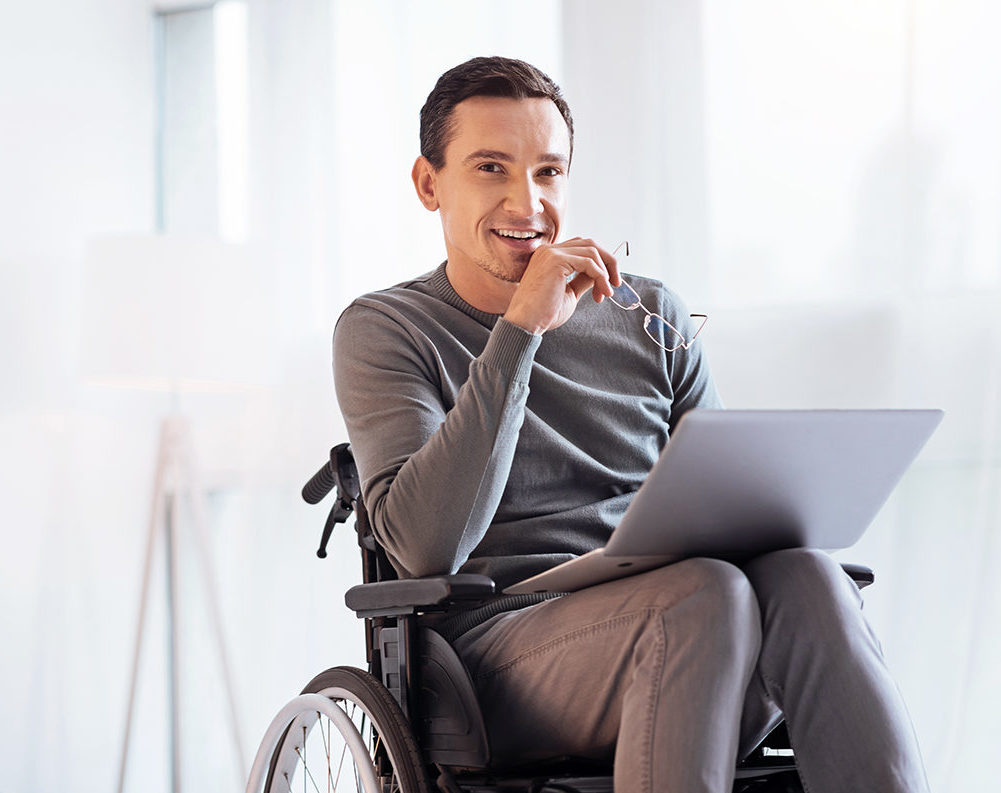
(736, 483)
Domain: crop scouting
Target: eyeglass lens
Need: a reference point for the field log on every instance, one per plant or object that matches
(624, 296)
(662, 333)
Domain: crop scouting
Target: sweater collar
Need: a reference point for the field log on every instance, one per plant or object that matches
(444, 289)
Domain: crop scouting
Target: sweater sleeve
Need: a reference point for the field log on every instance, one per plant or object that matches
(431, 477)
(692, 382)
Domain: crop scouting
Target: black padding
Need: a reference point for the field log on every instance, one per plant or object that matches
(451, 729)
(417, 592)
(860, 574)
(453, 627)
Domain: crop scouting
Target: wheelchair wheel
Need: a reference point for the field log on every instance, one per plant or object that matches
(345, 732)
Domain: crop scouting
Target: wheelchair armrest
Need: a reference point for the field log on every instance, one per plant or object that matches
(389, 598)
(860, 574)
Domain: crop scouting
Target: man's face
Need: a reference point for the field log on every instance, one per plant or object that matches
(502, 191)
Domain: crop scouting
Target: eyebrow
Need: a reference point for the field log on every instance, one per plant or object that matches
(493, 154)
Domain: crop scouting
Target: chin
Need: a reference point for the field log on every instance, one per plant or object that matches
(517, 271)
(517, 265)
(510, 271)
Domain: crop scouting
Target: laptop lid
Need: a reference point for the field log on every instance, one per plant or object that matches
(739, 482)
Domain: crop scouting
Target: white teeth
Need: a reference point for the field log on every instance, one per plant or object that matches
(518, 235)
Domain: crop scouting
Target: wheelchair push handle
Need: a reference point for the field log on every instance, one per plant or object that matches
(316, 489)
(339, 472)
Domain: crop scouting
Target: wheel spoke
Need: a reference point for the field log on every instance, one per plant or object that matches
(305, 768)
(340, 765)
(394, 781)
(326, 750)
(326, 745)
(330, 778)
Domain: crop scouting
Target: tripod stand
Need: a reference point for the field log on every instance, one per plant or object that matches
(175, 482)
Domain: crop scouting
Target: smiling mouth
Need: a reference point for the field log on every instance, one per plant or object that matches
(514, 234)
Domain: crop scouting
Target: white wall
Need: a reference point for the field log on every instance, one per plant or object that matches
(75, 160)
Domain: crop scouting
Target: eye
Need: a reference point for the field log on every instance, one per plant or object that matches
(550, 171)
(490, 167)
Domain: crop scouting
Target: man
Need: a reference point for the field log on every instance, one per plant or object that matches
(501, 420)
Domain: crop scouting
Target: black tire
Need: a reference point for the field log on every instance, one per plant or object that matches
(399, 766)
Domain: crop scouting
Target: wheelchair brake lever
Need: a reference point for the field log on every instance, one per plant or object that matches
(338, 514)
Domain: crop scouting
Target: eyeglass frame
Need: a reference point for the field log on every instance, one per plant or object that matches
(684, 345)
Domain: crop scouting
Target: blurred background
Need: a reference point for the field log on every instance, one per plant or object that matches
(190, 194)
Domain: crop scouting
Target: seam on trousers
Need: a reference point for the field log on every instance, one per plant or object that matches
(586, 630)
(646, 779)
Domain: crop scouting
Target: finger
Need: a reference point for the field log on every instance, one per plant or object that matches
(580, 284)
(614, 275)
(607, 260)
(611, 265)
(606, 265)
(587, 261)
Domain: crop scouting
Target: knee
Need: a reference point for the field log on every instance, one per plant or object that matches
(719, 608)
(805, 586)
(800, 571)
(723, 587)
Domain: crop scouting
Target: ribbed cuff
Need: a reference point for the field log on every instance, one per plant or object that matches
(511, 350)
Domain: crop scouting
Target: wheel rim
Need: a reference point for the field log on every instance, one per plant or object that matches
(334, 748)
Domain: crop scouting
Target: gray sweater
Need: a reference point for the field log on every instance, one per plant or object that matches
(484, 448)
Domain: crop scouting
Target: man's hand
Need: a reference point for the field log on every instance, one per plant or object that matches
(556, 278)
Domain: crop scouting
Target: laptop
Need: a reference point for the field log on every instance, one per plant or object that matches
(733, 484)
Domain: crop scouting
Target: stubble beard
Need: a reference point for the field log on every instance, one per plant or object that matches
(512, 274)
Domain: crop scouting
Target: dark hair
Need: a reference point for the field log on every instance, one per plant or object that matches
(494, 76)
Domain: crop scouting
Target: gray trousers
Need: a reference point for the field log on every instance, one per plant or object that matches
(679, 671)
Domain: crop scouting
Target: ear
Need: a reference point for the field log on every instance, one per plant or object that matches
(423, 175)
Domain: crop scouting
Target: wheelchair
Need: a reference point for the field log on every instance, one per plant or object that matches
(411, 722)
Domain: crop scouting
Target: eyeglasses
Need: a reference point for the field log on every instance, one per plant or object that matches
(660, 331)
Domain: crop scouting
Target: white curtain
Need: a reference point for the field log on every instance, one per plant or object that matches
(825, 179)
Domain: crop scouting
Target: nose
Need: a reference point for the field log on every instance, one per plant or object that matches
(524, 197)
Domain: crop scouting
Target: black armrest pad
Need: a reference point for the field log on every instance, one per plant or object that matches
(860, 574)
(393, 597)
(413, 593)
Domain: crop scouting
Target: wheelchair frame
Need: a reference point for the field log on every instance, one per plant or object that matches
(438, 716)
